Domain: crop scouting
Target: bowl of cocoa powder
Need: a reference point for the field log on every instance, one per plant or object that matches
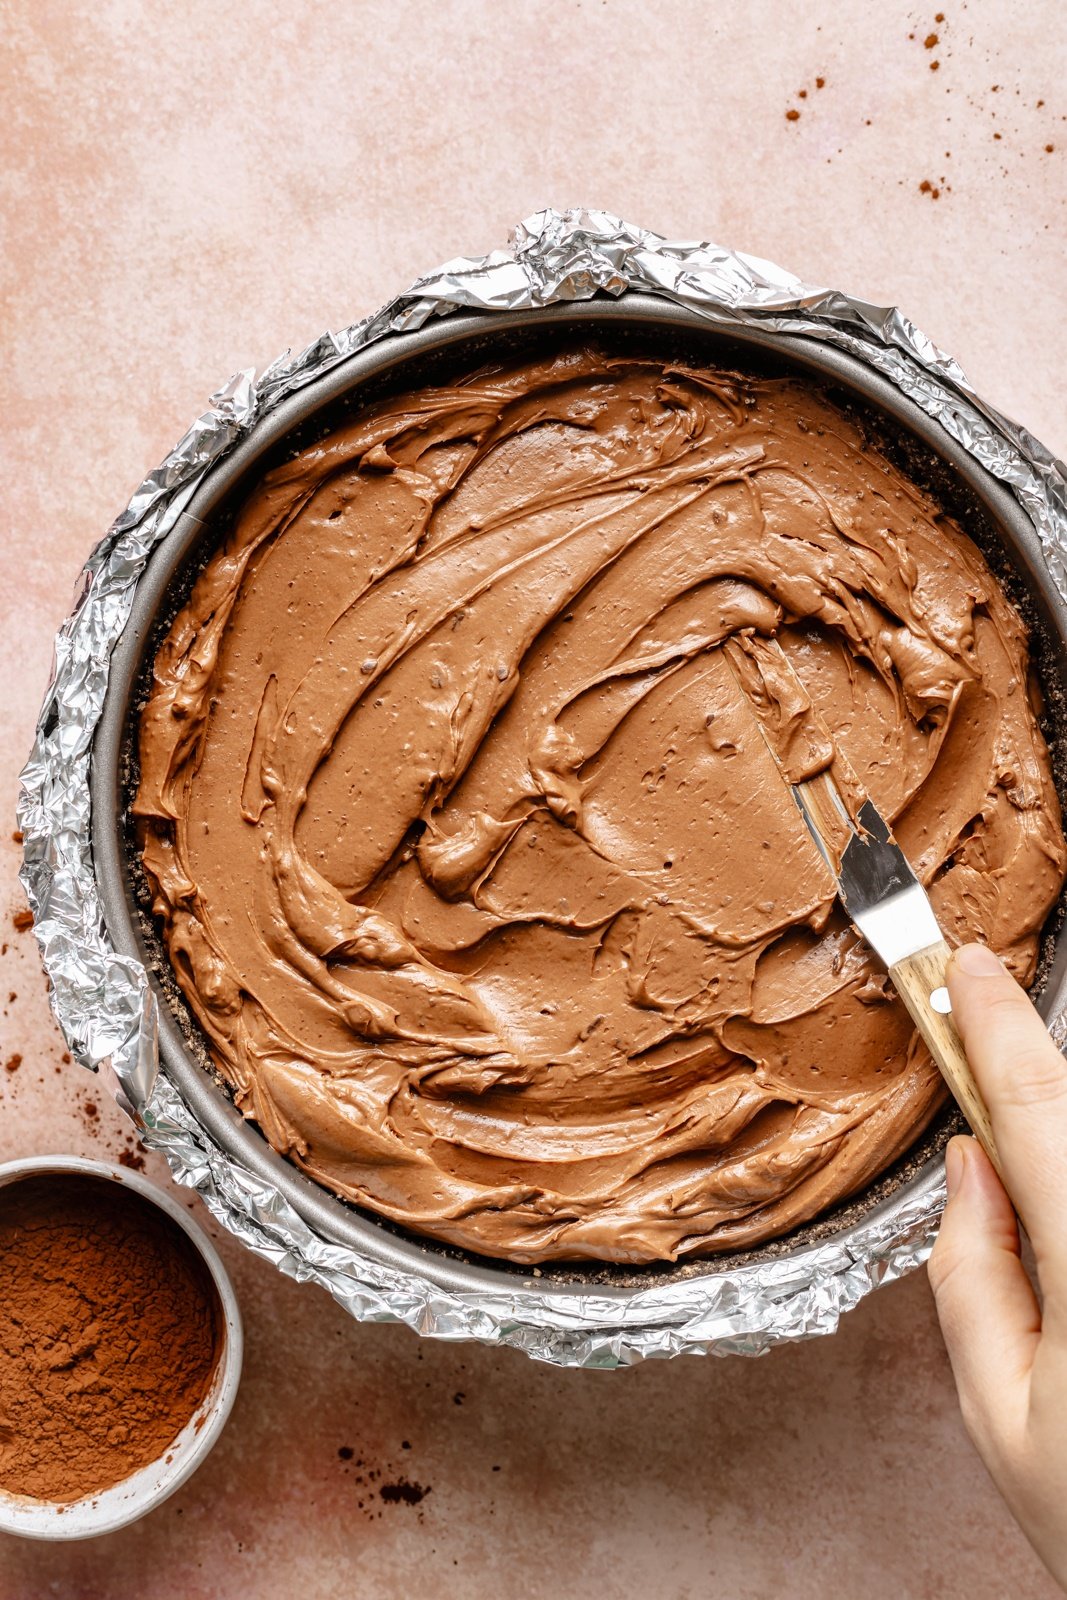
(120, 1347)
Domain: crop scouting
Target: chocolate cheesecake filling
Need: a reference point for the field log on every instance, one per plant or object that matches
(471, 859)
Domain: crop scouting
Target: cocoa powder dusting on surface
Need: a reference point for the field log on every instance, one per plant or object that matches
(109, 1335)
(22, 920)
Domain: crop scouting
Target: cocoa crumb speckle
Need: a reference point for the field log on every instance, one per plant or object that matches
(92, 1110)
(403, 1493)
(934, 65)
(926, 187)
(930, 41)
(13, 1063)
(458, 1399)
(820, 83)
(132, 1159)
(1049, 149)
(792, 115)
(346, 1452)
(17, 836)
(22, 920)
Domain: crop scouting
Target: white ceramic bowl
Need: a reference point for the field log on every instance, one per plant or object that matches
(125, 1502)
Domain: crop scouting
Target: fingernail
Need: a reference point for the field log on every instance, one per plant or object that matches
(978, 961)
(955, 1163)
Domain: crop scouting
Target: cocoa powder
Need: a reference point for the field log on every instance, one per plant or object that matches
(110, 1332)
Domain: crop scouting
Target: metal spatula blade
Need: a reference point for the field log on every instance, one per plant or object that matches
(877, 886)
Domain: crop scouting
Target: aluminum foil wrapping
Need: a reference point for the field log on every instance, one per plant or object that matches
(104, 1002)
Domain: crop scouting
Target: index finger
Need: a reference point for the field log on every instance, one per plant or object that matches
(1023, 1078)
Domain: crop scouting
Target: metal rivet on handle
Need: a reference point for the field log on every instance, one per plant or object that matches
(941, 1002)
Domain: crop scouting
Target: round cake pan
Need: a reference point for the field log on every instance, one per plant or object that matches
(440, 349)
(139, 1494)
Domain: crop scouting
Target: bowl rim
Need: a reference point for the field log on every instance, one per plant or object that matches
(375, 1241)
(106, 1510)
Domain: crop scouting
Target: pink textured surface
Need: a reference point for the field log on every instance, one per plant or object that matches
(186, 190)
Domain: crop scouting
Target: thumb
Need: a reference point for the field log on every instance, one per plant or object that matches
(985, 1304)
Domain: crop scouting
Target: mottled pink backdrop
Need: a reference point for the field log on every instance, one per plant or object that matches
(189, 188)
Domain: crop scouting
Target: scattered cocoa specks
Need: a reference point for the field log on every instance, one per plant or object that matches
(1049, 149)
(820, 83)
(930, 41)
(91, 1111)
(792, 115)
(940, 17)
(132, 1159)
(802, 94)
(65, 1058)
(934, 65)
(403, 1493)
(458, 1399)
(22, 920)
(13, 1063)
(926, 187)
(16, 836)
(404, 1444)
(346, 1452)
(12, 997)
(998, 136)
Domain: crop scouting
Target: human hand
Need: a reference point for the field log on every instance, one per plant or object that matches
(1008, 1351)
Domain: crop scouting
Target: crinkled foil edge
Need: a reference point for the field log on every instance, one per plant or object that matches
(103, 1000)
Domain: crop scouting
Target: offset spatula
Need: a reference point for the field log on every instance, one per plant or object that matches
(875, 883)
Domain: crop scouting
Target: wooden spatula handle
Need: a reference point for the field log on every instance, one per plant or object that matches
(917, 978)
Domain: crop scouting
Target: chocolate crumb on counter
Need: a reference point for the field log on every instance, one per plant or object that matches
(13, 1063)
(403, 1493)
(22, 920)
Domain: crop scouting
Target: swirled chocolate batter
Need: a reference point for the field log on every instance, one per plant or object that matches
(471, 859)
